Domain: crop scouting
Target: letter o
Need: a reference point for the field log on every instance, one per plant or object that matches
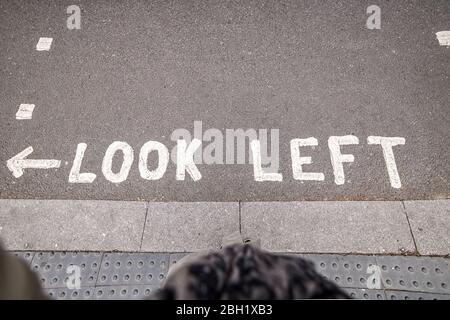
(128, 158)
(163, 160)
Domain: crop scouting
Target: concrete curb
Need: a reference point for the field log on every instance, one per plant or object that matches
(359, 227)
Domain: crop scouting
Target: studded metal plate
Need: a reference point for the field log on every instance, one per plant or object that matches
(346, 271)
(175, 257)
(409, 295)
(136, 292)
(27, 256)
(366, 294)
(53, 272)
(423, 274)
(68, 294)
(136, 275)
(133, 292)
(133, 269)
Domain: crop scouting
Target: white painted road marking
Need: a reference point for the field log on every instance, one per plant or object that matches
(44, 44)
(387, 143)
(297, 161)
(128, 158)
(19, 162)
(443, 38)
(75, 176)
(163, 160)
(258, 172)
(185, 160)
(337, 158)
(374, 280)
(25, 111)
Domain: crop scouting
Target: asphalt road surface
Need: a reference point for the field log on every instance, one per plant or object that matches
(138, 70)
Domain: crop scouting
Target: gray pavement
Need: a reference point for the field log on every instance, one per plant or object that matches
(71, 225)
(137, 70)
(427, 221)
(363, 227)
(353, 226)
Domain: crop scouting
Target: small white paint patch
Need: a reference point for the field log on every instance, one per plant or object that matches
(44, 44)
(386, 144)
(185, 159)
(25, 111)
(443, 38)
(258, 172)
(163, 160)
(128, 158)
(297, 161)
(337, 158)
(374, 280)
(75, 176)
(20, 162)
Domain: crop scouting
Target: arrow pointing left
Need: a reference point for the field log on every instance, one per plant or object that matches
(20, 162)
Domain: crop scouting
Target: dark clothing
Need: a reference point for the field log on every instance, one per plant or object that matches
(246, 272)
(17, 281)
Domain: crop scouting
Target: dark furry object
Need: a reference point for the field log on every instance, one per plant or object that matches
(246, 272)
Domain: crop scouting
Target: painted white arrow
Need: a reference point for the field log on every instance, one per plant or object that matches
(20, 162)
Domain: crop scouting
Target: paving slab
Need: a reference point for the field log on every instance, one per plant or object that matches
(370, 227)
(430, 225)
(71, 225)
(328, 227)
(189, 227)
